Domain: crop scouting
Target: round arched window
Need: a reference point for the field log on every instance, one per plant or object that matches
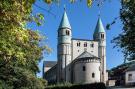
(93, 75)
(102, 36)
(67, 32)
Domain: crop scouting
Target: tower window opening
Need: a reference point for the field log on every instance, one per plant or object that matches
(102, 36)
(85, 44)
(67, 32)
(93, 75)
(84, 68)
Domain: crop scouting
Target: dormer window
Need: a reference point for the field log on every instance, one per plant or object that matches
(85, 44)
(67, 32)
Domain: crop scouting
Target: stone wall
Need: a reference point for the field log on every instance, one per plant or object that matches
(85, 75)
(92, 47)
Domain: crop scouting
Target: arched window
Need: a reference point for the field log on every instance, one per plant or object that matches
(78, 43)
(93, 75)
(130, 77)
(85, 44)
(67, 32)
(102, 36)
(83, 68)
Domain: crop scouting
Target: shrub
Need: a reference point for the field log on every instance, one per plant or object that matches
(80, 86)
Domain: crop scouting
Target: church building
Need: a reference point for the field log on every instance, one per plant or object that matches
(79, 61)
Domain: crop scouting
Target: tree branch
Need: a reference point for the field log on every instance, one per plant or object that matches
(45, 10)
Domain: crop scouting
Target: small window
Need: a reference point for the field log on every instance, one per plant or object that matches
(85, 44)
(102, 36)
(78, 44)
(93, 75)
(84, 68)
(129, 77)
(78, 50)
(67, 32)
(92, 45)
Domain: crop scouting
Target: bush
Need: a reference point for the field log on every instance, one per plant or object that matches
(82, 86)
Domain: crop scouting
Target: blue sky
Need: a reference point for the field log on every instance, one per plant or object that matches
(83, 21)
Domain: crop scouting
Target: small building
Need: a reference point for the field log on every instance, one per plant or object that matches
(130, 76)
(50, 75)
(48, 65)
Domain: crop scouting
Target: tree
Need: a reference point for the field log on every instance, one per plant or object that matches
(20, 49)
(126, 40)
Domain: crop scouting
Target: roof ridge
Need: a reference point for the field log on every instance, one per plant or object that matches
(85, 54)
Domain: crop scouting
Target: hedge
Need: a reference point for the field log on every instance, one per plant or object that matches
(81, 86)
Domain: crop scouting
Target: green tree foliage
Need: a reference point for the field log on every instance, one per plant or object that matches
(20, 51)
(88, 2)
(126, 40)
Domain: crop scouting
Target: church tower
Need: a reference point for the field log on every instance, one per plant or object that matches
(64, 50)
(100, 36)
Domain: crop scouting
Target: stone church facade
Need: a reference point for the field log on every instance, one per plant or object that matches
(79, 60)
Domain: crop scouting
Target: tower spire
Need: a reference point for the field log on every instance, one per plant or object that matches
(64, 21)
(99, 27)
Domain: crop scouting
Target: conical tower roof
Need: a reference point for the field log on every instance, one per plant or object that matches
(65, 22)
(99, 27)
